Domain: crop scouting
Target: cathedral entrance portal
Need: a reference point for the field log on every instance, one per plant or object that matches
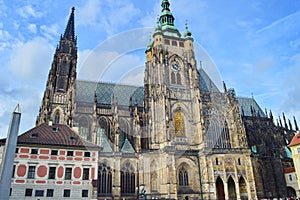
(231, 189)
(220, 189)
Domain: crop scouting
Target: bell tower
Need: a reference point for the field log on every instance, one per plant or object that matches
(59, 96)
(172, 87)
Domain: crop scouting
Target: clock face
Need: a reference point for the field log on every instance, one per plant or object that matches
(175, 66)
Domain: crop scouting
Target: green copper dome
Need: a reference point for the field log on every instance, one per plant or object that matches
(166, 20)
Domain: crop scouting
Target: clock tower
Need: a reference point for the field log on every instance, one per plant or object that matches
(172, 87)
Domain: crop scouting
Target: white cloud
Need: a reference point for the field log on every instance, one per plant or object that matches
(28, 11)
(50, 32)
(31, 60)
(108, 15)
(32, 28)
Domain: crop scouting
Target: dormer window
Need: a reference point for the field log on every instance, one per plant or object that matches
(33, 135)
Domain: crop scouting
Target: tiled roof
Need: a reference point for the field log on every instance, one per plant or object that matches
(245, 104)
(295, 140)
(56, 135)
(289, 169)
(206, 84)
(85, 91)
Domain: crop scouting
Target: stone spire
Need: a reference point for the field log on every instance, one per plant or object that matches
(70, 30)
(296, 125)
(59, 97)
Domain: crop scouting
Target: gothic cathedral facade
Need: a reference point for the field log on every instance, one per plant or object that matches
(177, 137)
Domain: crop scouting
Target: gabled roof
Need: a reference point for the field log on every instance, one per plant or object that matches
(127, 147)
(295, 140)
(55, 135)
(245, 105)
(104, 143)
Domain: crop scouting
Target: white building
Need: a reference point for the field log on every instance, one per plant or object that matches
(53, 162)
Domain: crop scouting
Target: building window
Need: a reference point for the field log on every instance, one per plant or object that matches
(61, 83)
(174, 43)
(34, 151)
(178, 79)
(83, 128)
(28, 192)
(104, 179)
(127, 179)
(167, 42)
(31, 172)
(183, 177)
(69, 153)
(52, 171)
(67, 193)
(217, 161)
(87, 154)
(239, 161)
(85, 193)
(10, 191)
(104, 127)
(50, 193)
(57, 118)
(13, 172)
(17, 150)
(54, 152)
(68, 173)
(290, 177)
(173, 79)
(179, 124)
(298, 150)
(39, 193)
(86, 174)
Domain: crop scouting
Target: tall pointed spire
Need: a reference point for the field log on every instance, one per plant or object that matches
(296, 125)
(70, 30)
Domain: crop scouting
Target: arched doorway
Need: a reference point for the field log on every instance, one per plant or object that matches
(231, 189)
(291, 192)
(220, 189)
(243, 188)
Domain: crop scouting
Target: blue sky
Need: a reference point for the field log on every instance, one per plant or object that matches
(253, 44)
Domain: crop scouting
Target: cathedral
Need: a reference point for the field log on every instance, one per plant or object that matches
(176, 137)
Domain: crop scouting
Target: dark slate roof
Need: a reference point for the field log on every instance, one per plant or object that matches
(55, 135)
(246, 103)
(85, 91)
(206, 84)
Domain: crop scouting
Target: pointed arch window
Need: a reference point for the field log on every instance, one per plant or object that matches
(63, 69)
(179, 124)
(104, 179)
(127, 179)
(57, 117)
(183, 177)
(83, 129)
(104, 129)
(153, 177)
(61, 83)
(173, 79)
(124, 131)
(217, 130)
(178, 79)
